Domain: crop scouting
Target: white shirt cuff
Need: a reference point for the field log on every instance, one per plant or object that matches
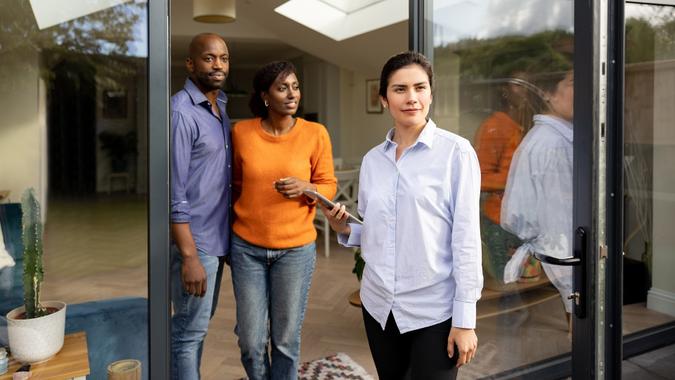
(353, 239)
(464, 314)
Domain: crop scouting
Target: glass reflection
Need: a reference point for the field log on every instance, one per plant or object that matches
(74, 126)
(648, 153)
(505, 82)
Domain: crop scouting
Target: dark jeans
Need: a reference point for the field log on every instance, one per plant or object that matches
(418, 354)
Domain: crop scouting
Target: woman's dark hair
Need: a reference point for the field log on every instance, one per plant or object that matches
(551, 70)
(401, 60)
(263, 80)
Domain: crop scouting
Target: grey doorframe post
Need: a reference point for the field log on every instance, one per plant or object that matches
(159, 312)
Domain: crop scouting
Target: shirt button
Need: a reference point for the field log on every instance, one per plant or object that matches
(229, 166)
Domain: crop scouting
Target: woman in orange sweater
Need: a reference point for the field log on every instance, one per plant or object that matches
(276, 157)
(496, 140)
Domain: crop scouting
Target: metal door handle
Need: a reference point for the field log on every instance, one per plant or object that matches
(579, 259)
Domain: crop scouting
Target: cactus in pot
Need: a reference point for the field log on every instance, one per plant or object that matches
(36, 329)
(32, 264)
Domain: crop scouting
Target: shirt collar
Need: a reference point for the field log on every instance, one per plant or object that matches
(562, 126)
(426, 137)
(197, 96)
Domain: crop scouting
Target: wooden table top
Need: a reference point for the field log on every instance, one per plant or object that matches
(71, 361)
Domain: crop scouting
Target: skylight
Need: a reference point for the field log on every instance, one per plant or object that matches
(50, 12)
(342, 19)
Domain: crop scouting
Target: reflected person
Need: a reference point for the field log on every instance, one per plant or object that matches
(276, 156)
(419, 196)
(496, 141)
(200, 200)
(537, 205)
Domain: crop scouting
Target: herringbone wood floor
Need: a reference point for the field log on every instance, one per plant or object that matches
(97, 249)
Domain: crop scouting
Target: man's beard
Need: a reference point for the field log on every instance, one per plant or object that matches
(209, 83)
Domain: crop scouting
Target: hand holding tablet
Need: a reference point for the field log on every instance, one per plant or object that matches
(330, 205)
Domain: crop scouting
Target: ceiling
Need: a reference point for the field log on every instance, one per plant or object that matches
(261, 35)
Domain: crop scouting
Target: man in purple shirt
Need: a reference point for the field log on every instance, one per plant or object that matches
(200, 199)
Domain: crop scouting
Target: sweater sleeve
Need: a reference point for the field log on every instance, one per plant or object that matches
(323, 174)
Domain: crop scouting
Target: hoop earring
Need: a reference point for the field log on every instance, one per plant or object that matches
(267, 104)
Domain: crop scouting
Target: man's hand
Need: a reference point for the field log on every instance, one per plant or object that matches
(291, 187)
(193, 276)
(466, 341)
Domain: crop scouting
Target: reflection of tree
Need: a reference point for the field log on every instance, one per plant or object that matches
(108, 32)
(500, 57)
(645, 35)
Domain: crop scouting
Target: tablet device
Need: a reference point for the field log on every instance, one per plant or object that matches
(330, 204)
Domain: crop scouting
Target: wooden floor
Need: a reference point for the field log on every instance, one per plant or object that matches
(97, 249)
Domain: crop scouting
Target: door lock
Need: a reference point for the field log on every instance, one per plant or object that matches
(574, 296)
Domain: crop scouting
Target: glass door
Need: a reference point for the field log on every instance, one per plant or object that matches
(527, 84)
(649, 190)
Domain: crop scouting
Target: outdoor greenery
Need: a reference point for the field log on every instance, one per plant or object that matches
(108, 33)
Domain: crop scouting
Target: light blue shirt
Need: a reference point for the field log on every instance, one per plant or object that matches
(421, 236)
(537, 204)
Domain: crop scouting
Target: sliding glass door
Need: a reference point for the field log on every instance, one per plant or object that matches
(529, 84)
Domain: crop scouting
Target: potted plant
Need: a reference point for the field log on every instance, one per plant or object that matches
(118, 148)
(35, 330)
(359, 264)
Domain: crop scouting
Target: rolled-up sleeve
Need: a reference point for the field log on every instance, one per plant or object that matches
(466, 241)
(182, 138)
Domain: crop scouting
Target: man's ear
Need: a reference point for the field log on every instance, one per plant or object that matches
(189, 65)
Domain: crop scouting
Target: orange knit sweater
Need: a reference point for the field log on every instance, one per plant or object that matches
(263, 217)
(496, 142)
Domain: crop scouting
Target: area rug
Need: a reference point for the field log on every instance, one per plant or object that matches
(334, 367)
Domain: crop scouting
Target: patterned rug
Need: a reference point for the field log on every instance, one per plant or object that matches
(338, 366)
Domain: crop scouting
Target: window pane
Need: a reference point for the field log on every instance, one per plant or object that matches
(649, 201)
(504, 81)
(73, 99)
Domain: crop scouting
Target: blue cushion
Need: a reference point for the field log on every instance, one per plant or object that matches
(11, 282)
(116, 329)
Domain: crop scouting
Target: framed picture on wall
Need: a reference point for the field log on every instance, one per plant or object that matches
(373, 104)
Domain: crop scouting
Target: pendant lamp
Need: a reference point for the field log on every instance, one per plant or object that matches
(214, 11)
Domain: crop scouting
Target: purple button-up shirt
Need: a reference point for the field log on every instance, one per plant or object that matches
(201, 174)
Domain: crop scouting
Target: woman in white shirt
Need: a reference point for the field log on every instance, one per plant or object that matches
(419, 197)
(537, 205)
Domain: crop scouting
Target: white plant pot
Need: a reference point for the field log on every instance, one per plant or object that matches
(37, 339)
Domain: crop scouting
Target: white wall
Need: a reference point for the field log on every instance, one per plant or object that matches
(661, 296)
(320, 94)
(23, 126)
(359, 131)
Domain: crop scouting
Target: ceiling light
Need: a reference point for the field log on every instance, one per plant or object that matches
(214, 11)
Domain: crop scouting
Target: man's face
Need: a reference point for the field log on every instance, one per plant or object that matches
(210, 64)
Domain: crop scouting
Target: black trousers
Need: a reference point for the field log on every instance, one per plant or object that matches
(416, 355)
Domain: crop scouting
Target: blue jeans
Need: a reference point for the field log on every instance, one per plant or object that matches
(271, 288)
(191, 316)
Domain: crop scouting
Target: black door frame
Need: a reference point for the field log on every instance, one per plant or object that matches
(159, 311)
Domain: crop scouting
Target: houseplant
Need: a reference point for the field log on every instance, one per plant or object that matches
(35, 330)
(118, 147)
(359, 264)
